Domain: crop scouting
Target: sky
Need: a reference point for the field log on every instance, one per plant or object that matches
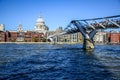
(55, 13)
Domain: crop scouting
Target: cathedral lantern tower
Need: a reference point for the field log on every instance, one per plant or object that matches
(40, 26)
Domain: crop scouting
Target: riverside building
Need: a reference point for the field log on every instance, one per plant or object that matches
(100, 37)
(113, 37)
(76, 37)
(2, 27)
(20, 35)
(41, 32)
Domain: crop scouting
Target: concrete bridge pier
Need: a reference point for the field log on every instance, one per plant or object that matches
(88, 35)
(88, 44)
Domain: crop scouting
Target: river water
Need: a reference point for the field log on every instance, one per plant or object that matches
(59, 62)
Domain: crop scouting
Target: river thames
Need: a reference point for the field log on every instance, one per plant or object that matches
(59, 62)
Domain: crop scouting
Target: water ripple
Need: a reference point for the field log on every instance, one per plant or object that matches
(58, 62)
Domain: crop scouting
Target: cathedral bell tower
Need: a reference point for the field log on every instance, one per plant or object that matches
(20, 37)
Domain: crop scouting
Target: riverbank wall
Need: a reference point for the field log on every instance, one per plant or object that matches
(40, 43)
(52, 43)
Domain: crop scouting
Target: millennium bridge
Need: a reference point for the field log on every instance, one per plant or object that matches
(88, 28)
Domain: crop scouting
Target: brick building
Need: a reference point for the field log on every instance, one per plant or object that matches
(113, 37)
(38, 35)
(28, 36)
(2, 36)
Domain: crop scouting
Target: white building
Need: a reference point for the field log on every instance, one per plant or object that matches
(2, 27)
(19, 28)
(40, 26)
(20, 37)
(100, 37)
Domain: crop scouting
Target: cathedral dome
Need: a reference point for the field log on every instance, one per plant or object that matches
(40, 20)
(40, 26)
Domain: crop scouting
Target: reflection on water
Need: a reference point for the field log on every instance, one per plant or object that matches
(59, 62)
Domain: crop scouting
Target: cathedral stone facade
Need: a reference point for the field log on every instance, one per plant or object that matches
(2, 27)
(40, 26)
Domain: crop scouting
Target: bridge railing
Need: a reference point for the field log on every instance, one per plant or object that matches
(95, 23)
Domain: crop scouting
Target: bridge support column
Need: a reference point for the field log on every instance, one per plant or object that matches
(88, 44)
(88, 35)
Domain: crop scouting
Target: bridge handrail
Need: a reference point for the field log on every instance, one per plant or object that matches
(99, 18)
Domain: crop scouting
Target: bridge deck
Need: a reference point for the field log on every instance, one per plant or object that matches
(95, 23)
(91, 24)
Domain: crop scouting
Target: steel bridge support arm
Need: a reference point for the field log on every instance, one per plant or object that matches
(88, 43)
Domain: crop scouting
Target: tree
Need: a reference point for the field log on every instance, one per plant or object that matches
(35, 39)
(43, 40)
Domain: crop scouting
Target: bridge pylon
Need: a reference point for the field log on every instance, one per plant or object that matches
(88, 43)
(89, 27)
